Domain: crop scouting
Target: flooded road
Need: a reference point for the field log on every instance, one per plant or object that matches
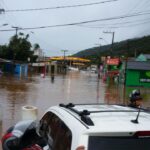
(75, 87)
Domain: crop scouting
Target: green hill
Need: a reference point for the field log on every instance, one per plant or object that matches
(127, 48)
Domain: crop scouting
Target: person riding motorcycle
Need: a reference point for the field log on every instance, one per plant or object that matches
(23, 136)
(135, 98)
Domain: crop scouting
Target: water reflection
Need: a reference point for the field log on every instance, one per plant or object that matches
(75, 87)
(52, 78)
(12, 96)
(113, 94)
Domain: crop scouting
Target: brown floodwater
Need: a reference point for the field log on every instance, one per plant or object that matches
(75, 87)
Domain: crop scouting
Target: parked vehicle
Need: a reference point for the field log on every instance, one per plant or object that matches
(95, 127)
(93, 69)
(90, 127)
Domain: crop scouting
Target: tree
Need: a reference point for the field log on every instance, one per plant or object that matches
(20, 47)
(36, 46)
(4, 52)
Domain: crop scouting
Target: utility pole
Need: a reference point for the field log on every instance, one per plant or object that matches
(16, 28)
(64, 51)
(64, 64)
(113, 35)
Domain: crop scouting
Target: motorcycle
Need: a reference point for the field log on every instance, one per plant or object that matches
(23, 136)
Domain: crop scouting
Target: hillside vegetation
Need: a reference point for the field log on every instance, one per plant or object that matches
(127, 48)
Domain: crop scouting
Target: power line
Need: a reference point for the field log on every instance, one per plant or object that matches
(131, 10)
(60, 7)
(133, 24)
(143, 5)
(7, 17)
(45, 42)
(84, 22)
(137, 4)
(115, 27)
(119, 23)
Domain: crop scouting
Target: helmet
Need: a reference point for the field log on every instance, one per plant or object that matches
(135, 95)
(135, 98)
(22, 136)
(136, 92)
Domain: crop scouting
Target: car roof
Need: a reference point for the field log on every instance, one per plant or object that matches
(107, 118)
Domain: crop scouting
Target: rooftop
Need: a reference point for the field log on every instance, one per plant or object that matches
(4, 60)
(138, 65)
(147, 56)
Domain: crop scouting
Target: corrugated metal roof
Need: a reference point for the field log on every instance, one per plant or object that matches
(147, 56)
(4, 60)
(138, 65)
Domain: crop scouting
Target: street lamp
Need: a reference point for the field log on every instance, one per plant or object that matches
(113, 34)
(64, 51)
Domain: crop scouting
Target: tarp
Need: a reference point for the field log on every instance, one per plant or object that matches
(4, 60)
(70, 59)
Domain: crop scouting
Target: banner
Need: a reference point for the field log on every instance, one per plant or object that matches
(113, 61)
(145, 76)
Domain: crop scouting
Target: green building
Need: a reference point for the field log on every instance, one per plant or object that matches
(137, 73)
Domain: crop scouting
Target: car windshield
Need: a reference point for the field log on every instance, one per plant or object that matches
(118, 143)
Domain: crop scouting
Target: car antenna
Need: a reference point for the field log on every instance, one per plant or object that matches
(137, 117)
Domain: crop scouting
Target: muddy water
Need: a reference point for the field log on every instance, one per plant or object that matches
(75, 87)
(41, 92)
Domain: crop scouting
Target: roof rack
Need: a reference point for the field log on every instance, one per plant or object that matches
(85, 113)
(98, 104)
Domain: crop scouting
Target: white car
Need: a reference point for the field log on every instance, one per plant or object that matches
(96, 127)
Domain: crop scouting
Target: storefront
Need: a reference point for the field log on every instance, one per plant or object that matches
(138, 74)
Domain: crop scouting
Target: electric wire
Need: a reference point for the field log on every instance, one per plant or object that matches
(137, 4)
(35, 36)
(147, 4)
(132, 10)
(60, 7)
(119, 23)
(129, 23)
(115, 27)
(143, 5)
(85, 22)
(11, 18)
(132, 25)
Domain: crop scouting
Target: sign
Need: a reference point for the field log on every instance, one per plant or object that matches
(113, 61)
(38, 64)
(145, 76)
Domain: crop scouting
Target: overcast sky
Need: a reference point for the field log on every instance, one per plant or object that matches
(78, 37)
